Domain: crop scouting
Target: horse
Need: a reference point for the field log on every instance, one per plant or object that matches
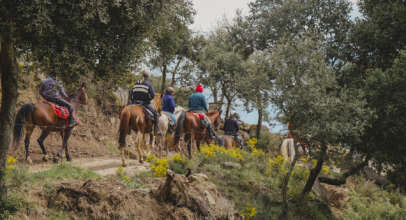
(42, 115)
(188, 125)
(165, 136)
(133, 117)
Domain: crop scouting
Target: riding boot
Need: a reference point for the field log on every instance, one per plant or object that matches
(72, 121)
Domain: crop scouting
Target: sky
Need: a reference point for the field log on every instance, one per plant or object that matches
(209, 13)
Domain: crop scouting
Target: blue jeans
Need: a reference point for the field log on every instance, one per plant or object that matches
(172, 116)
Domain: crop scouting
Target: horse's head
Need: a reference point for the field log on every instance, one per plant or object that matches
(158, 101)
(215, 118)
(82, 95)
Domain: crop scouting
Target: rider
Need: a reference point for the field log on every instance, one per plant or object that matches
(197, 103)
(168, 103)
(52, 90)
(142, 93)
(231, 127)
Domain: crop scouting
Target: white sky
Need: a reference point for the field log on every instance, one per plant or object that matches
(210, 12)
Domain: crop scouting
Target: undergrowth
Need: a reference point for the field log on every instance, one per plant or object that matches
(19, 182)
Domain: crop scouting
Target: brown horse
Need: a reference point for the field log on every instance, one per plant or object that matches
(133, 117)
(189, 125)
(42, 115)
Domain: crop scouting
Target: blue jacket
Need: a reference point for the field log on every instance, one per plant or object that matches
(51, 88)
(197, 101)
(168, 103)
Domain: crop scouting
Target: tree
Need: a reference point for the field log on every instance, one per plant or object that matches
(221, 67)
(306, 93)
(292, 19)
(173, 40)
(255, 91)
(70, 38)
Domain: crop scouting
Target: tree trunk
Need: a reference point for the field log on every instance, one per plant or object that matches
(228, 106)
(214, 92)
(343, 179)
(9, 75)
(315, 171)
(259, 124)
(260, 115)
(175, 71)
(285, 187)
(163, 82)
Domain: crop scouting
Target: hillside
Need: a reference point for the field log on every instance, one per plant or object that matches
(223, 185)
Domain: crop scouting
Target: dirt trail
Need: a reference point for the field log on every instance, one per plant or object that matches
(101, 165)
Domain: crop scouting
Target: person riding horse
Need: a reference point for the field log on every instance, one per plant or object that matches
(52, 91)
(142, 93)
(231, 128)
(168, 104)
(197, 103)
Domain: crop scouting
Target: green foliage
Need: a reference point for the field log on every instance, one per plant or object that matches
(367, 201)
(306, 94)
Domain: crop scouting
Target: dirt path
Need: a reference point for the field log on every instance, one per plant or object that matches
(100, 165)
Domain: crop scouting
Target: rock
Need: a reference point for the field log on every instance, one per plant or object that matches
(210, 198)
(198, 177)
(231, 165)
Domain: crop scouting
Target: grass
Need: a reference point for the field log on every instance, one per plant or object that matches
(19, 182)
(65, 171)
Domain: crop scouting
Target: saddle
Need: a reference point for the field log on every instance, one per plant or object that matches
(148, 114)
(61, 112)
(204, 123)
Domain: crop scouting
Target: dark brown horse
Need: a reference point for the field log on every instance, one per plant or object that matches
(133, 117)
(42, 115)
(189, 125)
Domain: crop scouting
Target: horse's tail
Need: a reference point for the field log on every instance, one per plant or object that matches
(22, 116)
(125, 118)
(179, 126)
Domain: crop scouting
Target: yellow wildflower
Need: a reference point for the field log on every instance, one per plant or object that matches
(304, 159)
(249, 212)
(314, 163)
(11, 160)
(177, 158)
(325, 170)
(127, 178)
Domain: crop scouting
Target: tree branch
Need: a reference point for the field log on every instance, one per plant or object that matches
(343, 179)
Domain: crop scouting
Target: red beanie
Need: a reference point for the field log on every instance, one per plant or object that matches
(199, 88)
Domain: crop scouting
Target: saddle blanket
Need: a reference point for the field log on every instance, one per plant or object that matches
(61, 112)
(201, 115)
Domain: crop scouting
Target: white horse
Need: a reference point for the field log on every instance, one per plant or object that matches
(288, 149)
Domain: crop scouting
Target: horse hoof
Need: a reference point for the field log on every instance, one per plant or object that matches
(45, 158)
(69, 159)
(29, 161)
(124, 165)
(56, 159)
(141, 161)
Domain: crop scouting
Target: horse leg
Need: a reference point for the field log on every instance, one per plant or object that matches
(65, 144)
(40, 141)
(188, 140)
(123, 163)
(198, 145)
(29, 130)
(60, 151)
(138, 145)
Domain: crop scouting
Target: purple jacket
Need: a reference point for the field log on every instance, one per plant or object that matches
(168, 103)
(51, 88)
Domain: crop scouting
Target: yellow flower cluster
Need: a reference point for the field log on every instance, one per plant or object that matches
(120, 171)
(213, 150)
(277, 161)
(249, 212)
(10, 164)
(159, 166)
(127, 178)
(252, 142)
(325, 170)
(252, 145)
